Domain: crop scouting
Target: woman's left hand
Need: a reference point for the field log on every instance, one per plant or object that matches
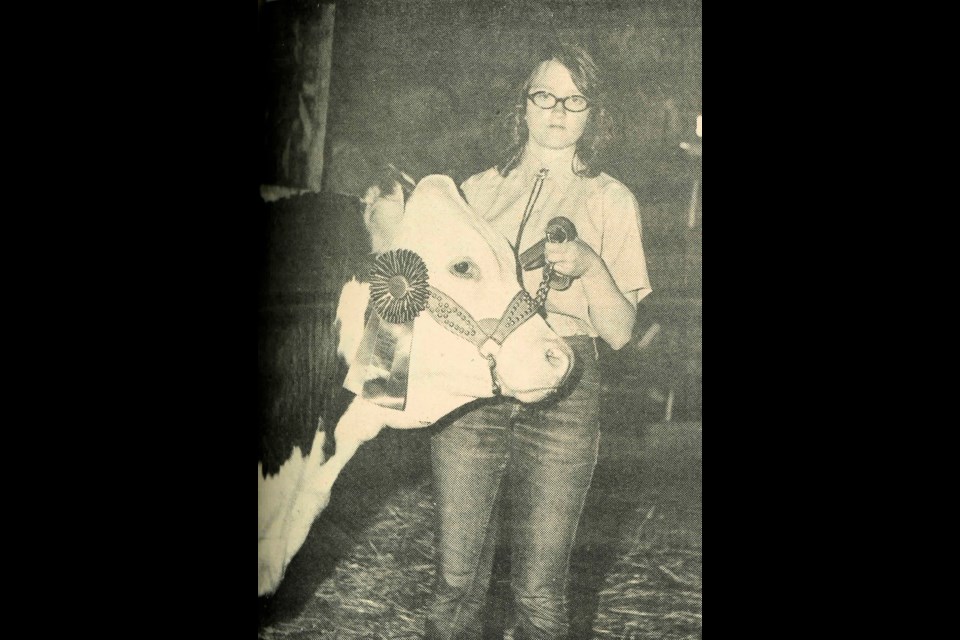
(610, 312)
(573, 258)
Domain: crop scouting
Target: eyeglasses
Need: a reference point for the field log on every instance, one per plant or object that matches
(574, 104)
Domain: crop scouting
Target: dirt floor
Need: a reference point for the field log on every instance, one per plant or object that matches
(366, 570)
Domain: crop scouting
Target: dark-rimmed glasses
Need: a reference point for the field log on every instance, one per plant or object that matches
(546, 100)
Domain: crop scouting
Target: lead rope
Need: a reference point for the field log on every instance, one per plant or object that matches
(541, 297)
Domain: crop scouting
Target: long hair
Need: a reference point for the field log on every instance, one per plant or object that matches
(592, 145)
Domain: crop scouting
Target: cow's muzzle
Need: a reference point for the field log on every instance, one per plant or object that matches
(533, 367)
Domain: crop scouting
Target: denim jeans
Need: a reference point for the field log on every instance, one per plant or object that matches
(544, 454)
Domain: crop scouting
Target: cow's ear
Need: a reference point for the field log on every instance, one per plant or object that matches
(371, 195)
(430, 209)
(438, 190)
(450, 197)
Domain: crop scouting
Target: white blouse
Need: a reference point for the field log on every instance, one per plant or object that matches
(604, 212)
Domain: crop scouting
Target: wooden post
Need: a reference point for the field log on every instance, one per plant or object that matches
(296, 40)
(318, 131)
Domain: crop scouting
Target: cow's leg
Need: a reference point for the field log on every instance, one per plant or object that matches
(278, 497)
(274, 499)
(309, 494)
(361, 422)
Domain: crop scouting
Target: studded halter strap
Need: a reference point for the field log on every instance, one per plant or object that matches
(454, 318)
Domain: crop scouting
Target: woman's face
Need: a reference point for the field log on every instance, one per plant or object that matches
(554, 128)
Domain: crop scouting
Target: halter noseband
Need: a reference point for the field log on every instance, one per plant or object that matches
(454, 318)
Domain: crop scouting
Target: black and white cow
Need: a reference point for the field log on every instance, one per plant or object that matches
(464, 330)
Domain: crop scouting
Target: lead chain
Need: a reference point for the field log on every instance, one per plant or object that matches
(541, 298)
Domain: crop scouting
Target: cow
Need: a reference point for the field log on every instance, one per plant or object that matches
(448, 323)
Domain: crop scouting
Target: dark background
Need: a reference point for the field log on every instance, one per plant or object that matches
(427, 83)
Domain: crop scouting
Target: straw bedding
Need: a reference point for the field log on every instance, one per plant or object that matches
(636, 572)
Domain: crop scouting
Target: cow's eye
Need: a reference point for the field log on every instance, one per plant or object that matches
(464, 269)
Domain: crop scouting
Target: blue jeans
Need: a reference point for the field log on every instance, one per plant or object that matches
(545, 454)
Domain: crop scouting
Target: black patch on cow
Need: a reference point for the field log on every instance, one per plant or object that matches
(314, 244)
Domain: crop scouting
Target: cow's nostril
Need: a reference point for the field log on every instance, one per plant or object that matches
(557, 358)
(560, 359)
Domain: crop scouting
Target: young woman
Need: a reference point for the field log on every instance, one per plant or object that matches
(542, 454)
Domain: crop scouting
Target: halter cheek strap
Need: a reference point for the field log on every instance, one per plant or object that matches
(453, 317)
(520, 309)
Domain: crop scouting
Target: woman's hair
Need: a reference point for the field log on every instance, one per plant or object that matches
(589, 155)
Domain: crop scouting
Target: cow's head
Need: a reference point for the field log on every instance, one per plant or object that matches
(474, 266)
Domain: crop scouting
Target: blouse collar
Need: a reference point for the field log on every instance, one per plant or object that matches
(530, 167)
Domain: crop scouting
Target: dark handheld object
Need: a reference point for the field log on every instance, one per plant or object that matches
(559, 229)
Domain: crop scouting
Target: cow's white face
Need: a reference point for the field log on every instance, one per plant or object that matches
(474, 265)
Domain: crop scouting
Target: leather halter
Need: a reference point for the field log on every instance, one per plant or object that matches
(380, 372)
(454, 318)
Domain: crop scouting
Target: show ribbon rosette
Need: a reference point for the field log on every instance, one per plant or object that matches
(399, 291)
(399, 287)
